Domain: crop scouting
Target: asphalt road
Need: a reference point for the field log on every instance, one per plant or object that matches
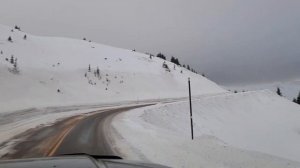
(74, 135)
(89, 135)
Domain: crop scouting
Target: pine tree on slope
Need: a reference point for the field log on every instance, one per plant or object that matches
(298, 98)
(279, 91)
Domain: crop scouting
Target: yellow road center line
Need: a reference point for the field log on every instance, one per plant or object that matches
(61, 138)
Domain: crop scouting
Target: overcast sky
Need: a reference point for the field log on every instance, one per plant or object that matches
(231, 41)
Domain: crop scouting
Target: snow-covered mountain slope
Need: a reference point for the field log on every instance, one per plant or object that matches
(251, 129)
(289, 89)
(54, 71)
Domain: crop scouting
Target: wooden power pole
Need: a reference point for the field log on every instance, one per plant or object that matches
(191, 113)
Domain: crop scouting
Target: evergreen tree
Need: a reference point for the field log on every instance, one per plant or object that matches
(298, 98)
(172, 59)
(89, 69)
(15, 64)
(12, 59)
(98, 71)
(15, 69)
(17, 27)
(25, 37)
(160, 55)
(188, 67)
(295, 100)
(279, 91)
(175, 60)
(9, 39)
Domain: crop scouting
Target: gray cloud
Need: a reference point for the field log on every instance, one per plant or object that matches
(232, 41)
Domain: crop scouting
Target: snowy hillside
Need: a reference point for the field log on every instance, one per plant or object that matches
(290, 89)
(54, 71)
(251, 129)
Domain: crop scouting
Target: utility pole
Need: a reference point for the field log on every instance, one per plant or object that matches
(191, 113)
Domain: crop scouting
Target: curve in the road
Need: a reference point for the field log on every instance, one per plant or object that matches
(88, 136)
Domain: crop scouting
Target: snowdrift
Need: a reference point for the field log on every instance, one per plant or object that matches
(251, 129)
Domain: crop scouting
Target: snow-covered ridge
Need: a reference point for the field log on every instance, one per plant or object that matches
(54, 71)
(251, 129)
(289, 89)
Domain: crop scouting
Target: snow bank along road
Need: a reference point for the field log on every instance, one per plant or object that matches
(243, 130)
(85, 133)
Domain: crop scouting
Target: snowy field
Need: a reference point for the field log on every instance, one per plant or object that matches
(251, 129)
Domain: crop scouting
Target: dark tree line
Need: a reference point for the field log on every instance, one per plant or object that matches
(162, 56)
(175, 61)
